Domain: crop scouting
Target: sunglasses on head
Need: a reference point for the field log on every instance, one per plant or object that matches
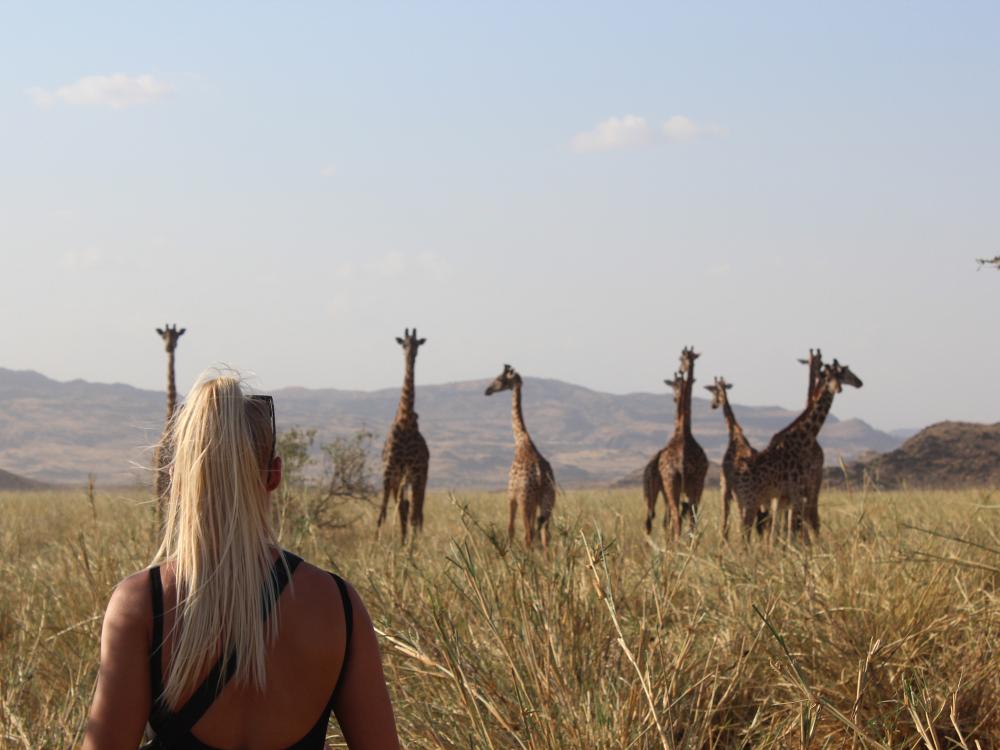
(269, 400)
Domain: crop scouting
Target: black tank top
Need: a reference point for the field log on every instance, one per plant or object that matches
(173, 728)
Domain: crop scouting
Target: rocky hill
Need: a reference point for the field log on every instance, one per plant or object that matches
(9, 481)
(61, 431)
(944, 455)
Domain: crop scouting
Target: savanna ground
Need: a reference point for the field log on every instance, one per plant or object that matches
(882, 634)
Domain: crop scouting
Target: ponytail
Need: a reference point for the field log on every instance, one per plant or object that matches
(218, 535)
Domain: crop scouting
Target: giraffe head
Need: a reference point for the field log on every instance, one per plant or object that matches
(170, 335)
(678, 385)
(688, 356)
(410, 343)
(505, 381)
(835, 376)
(718, 390)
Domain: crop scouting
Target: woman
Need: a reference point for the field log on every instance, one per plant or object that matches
(228, 641)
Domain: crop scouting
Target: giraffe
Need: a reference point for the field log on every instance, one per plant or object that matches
(815, 457)
(405, 455)
(161, 454)
(683, 463)
(778, 475)
(652, 483)
(531, 483)
(738, 452)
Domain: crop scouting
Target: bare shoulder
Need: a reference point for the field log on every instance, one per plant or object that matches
(130, 601)
(319, 585)
(314, 579)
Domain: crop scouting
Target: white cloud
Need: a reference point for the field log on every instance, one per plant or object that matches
(614, 133)
(328, 171)
(681, 128)
(117, 91)
(633, 131)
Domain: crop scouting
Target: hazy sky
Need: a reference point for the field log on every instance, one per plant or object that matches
(579, 190)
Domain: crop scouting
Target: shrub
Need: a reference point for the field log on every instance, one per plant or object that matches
(318, 493)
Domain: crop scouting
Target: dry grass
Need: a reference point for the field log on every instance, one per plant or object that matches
(881, 635)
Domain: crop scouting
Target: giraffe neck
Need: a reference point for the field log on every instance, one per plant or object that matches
(171, 386)
(517, 417)
(814, 380)
(406, 398)
(688, 387)
(679, 416)
(817, 412)
(735, 431)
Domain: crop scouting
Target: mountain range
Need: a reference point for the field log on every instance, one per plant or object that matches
(62, 431)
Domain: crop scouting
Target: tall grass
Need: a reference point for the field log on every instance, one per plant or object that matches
(882, 634)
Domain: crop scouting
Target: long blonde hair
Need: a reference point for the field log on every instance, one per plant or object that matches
(218, 534)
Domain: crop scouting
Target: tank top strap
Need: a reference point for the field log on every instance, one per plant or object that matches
(345, 597)
(156, 646)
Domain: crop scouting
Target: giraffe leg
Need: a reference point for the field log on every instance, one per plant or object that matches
(805, 508)
(812, 507)
(812, 515)
(762, 522)
(543, 531)
(794, 519)
(545, 514)
(786, 515)
(530, 510)
(650, 490)
(727, 499)
(417, 513)
(387, 490)
(697, 488)
(748, 513)
(672, 489)
(513, 516)
(776, 521)
(404, 509)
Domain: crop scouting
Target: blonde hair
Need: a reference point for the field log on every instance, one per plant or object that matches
(218, 535)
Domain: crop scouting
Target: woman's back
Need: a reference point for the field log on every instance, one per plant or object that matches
(303, 668)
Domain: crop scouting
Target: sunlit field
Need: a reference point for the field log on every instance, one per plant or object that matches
(882, 634)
